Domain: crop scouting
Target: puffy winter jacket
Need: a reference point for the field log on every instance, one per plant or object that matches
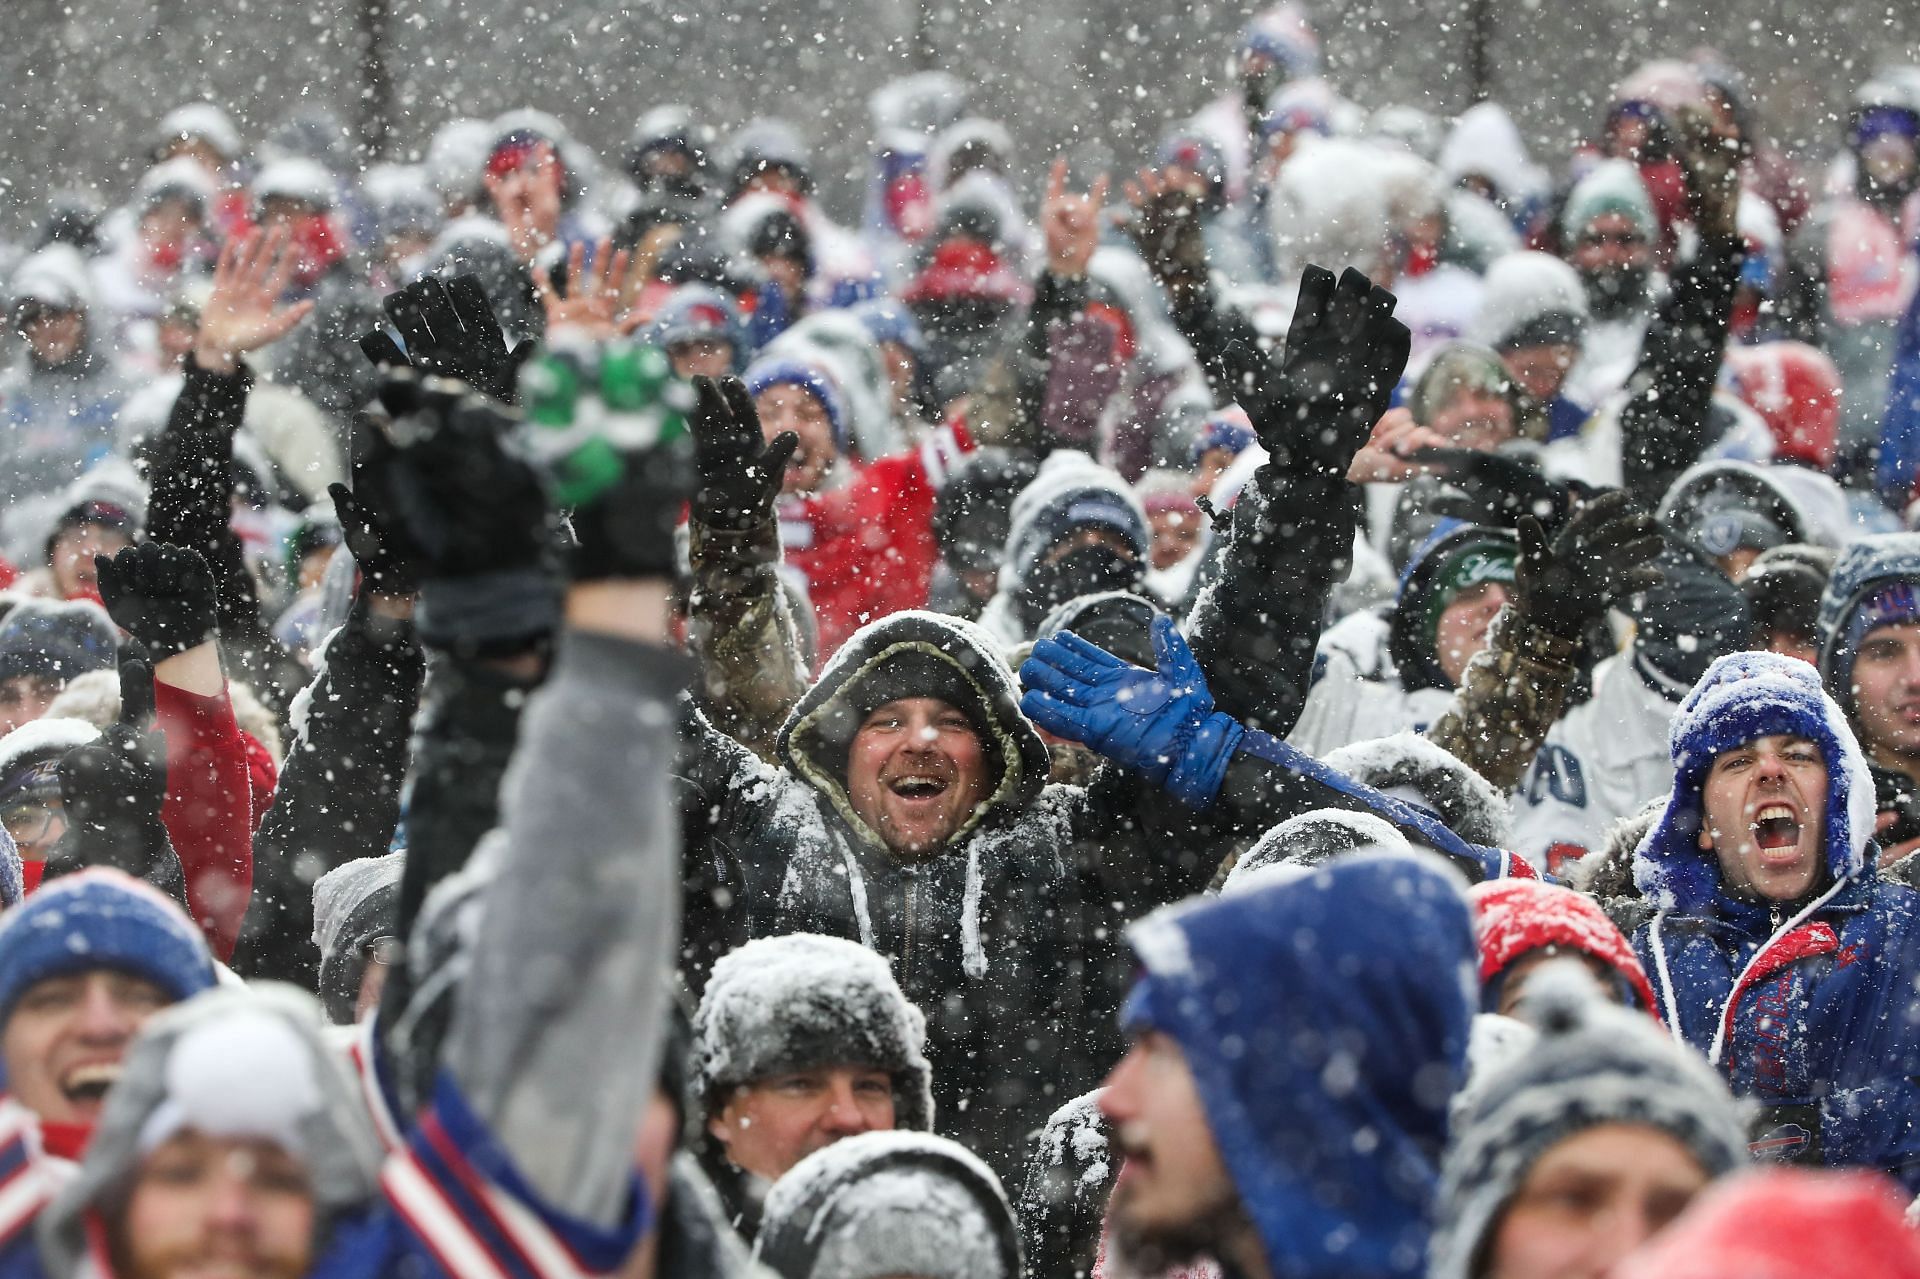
(1808, 1007)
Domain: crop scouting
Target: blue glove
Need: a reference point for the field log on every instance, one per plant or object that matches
(1161, 724)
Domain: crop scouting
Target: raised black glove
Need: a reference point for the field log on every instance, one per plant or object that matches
(465, 498)
(1604, 553)
(739, 472)
(385, 554)
(450, 329)
(1345, 354)
(628, 531)
(161, 595)
(114, 787)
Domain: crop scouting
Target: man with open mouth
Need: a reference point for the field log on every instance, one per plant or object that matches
(1777, 949)
(84, 963)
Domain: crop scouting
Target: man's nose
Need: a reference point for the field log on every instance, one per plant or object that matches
(844, 1115)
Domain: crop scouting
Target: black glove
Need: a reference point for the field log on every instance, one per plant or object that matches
(1504, 488)
(386, 556)
(1345, 354)
(1604, 552)
(161, 595)
(114, 787)
(465, 499)
(739, 472)
(629, 530)
(450, 329)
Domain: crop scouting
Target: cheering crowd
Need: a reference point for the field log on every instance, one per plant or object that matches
(1347, 704)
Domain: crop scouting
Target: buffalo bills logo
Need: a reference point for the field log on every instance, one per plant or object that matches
(1783, 1144)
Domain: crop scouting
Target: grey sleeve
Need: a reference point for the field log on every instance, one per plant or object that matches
(559, 1024)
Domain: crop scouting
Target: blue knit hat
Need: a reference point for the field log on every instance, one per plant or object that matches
(1742, 697)
(1227, 429)
(100, 918)
(765, 373)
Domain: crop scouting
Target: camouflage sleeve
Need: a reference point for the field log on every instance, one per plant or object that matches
(742, 629)
(1512, 692)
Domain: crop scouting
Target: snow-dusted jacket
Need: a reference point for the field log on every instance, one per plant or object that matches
(1297, 1048)
(1807, 1007)
(1357, 694)
(56, 422)
(1602, 761)
(993, 935)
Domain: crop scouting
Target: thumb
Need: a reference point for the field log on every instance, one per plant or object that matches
(773, 459)
(1173, 657)
(136, 688)
(1533, 540)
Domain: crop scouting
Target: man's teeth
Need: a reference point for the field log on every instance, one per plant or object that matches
(90, 1081)
(1775, 812)
(1776, 826)
(919, 787)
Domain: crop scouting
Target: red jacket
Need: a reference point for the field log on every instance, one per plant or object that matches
(209, 809)
(866, 548)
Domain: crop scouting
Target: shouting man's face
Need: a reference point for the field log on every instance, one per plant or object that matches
(1766, 815)
(916, 772)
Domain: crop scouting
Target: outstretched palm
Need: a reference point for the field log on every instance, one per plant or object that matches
(243, 313)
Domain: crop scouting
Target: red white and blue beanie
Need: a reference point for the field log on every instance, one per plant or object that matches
(765, 373)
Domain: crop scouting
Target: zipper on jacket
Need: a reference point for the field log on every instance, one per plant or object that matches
(906, 941)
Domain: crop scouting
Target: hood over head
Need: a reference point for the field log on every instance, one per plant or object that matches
(1070, 491)
(1745, 696)
(1722, 506)
(199, 122)
(55, 277)
(882, 1204)
(1515, 917)
(236, 1062)
(915, 654)
(1873, 584)
(1485, 143)
(1332, 1003)
(1311, 839)
(800, 1002)
(1612, 186)
(1592, 1063)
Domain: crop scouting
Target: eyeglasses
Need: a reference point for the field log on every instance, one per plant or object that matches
(1618, 239)
(34, 825)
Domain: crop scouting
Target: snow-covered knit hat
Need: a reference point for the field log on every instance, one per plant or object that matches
(890, 1203)
(101, 918)
(1228, 428)
(779, 1005)
(1613, 186)
(234, 1061)
(30, 772)
(693, 312)
(1866, 579)
(175, 179)
(1071, 491)
(1744, 696)
(1310, 838)
(298, 179)
(56, 640)
(199, 122)
(1515, 917)
(1530, 299)
(54, 277)
(811, 378)
(1455, 367)
(763, 144)
(457, 157)
(1408, 766)
(354, 905)
(1594, 1063)
(1284, 34)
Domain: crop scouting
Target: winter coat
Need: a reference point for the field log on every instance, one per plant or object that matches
(1295, 1048)
(866, 546)
(1806, 1007)
(1861, 570)
(321, 358)
(1356, 694)
(56, 422)
(209, 809)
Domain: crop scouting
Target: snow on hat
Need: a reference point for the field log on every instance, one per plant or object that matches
(1485, 143)
(1613, 186)
(175, 179)
(1594, 1063)
(890, 1203)
(56, 639)
(693, 312)
(817, 382)
(1301, 105)
(457, 156)
(54, 277)
(887, 321)
(1515, 917)
(245, 1076)
(1863, 571)
(1121, 622)
(1723, 505)
(1530, 299)
(297, 179)
(1070, 491)
(199, 122)
(1284, 34)
(1308, 839)
(1410, 767)
(1785, 1223)
(1742, 697)
(779, 1005)
(100, 918)
(1455, 367)
(30, 757)
(764, 144)
(354, 905)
